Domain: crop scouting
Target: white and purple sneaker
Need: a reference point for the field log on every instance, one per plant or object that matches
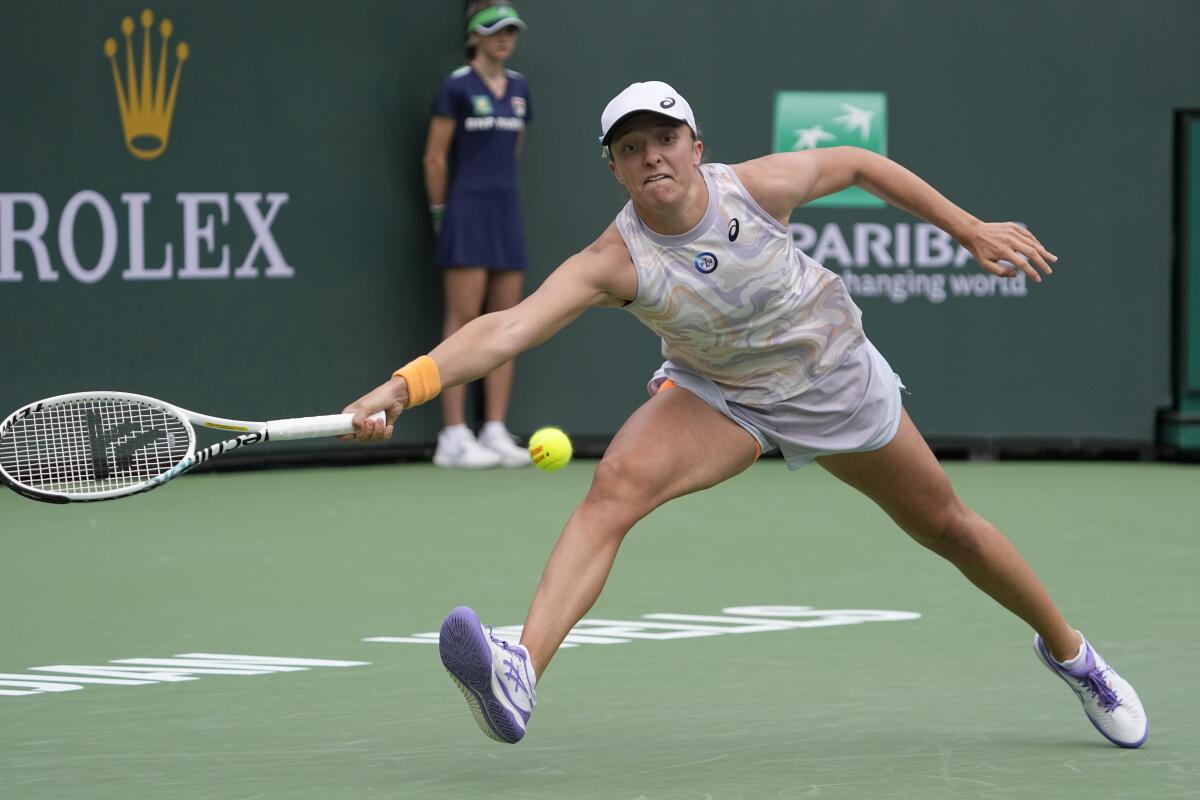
(1111, 704)
(494, 676)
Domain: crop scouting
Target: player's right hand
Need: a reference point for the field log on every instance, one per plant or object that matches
(388, 397)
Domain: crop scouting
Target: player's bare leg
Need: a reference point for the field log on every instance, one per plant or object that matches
(457, 447)
(465, 290)
(503, 291)
(907, 482)
(673, 445)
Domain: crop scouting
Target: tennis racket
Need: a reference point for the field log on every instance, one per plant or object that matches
(103, 445)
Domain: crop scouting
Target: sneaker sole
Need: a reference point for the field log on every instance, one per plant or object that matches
(1043, 654)
(467, 656)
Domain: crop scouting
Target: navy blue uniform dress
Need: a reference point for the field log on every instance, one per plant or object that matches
(482, 222)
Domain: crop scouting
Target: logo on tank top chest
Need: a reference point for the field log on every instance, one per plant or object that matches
(734, 228)
(481, 105)
(705, 263)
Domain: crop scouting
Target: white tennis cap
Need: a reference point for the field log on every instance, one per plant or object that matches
(653, 96)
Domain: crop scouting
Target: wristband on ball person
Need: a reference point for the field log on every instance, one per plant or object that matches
(437, 211)
(424, 381)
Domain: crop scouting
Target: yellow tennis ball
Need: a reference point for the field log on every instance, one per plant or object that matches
(550, 449)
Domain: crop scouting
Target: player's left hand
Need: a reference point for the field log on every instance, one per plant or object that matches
(1003, 248)
(388, 397)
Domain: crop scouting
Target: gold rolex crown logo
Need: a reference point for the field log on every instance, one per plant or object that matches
(146, 105)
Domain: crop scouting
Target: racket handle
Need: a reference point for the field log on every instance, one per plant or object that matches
(280, 430)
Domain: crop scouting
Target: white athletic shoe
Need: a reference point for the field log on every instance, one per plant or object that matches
(1110, 703)
(458, 449)
(504, 444)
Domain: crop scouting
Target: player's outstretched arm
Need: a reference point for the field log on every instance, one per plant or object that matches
(589, 278)
(783, 181)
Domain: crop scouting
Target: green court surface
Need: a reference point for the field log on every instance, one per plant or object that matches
(309, 564)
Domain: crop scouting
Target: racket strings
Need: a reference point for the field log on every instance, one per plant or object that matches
(93, 446)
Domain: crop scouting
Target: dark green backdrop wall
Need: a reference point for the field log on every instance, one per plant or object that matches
(1056, 114)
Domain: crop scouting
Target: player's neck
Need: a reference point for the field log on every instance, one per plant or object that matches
(678, 218)
(487, 67)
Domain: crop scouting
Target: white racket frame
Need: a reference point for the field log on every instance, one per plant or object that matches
(250, 432)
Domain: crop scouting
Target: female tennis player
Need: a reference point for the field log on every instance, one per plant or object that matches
(764, 350)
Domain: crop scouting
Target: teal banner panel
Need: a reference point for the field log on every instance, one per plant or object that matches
(808, 120)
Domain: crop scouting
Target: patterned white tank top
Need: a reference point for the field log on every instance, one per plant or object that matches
(736, 302)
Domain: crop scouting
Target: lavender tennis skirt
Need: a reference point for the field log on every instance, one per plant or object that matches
(854, 408)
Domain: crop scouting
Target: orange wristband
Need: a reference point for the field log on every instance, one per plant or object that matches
(424, 382)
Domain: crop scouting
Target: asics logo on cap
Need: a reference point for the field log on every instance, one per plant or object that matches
(667, 103)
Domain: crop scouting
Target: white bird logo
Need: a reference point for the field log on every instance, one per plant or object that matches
(810, 138)
(856, 119)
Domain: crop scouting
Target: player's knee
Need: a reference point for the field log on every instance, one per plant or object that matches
(947, 528)
(620, 484)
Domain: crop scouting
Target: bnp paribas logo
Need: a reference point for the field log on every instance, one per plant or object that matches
(143, 97)
(807, 120)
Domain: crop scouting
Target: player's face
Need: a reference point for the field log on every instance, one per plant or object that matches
(655, 159)
(499, 46)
